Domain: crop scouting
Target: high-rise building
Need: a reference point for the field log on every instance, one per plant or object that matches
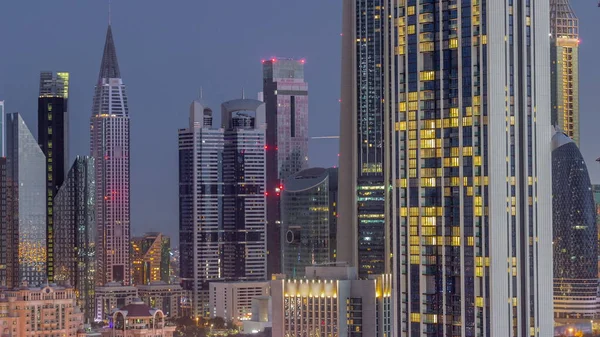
(364, 129)
(285, 94)
(26, 170)
(575, 233)
(75, 234)
(467, 160)
(109, 134)
(596, 191)
(2, 130)
(53, 137)
(9, 238)
(564, 58)
(308, 220)
(151, 257)
(222, 198)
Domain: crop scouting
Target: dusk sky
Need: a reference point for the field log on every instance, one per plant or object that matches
(168, 50)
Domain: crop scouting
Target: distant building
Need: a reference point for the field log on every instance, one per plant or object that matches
(596, 190)
(166, 297)
(137, 319)
(222, 207)
(53, 137)
(285, 93)
(40, 311)
(332, 301)
(233, 300)
(308, 220)
(2, 130)
(150, 258)
(261, 316)
(26, 165)
(75, 234)
(575, 233)
(113, 296)
(9, 230)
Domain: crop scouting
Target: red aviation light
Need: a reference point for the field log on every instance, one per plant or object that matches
(273, 60)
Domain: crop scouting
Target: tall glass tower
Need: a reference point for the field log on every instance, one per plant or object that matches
(53, 137)
(564, 30)
(466, 160)
(285, 93)
(110, 149)
(26, 171)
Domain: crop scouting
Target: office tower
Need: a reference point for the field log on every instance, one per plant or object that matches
(575, 234)
(2, 130)
(151, 255)
(564, 58)
(466, 125)
(110, 148)
(53, 137)
(364, 129)
(26, 169)
(596, 191)
(308, 220)
(332, 301)
(285, 94)
(9, 248)
(75, 234)
(222, 199)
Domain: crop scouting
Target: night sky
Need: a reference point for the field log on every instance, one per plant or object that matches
(168, 50)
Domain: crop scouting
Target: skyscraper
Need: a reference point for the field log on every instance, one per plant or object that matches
(9, 239)
(285, 94)
(364, 228)
(110, 149)
(75, 234)
(466, 124)
(308, 220)
(151, 258)
(564, 51)
(2, 130)
(26, 170)
(222, 198)
(53, 137)
(575, 233)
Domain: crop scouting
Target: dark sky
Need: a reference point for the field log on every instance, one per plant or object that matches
(169, 49)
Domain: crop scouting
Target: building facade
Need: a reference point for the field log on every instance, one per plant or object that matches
(109, 134)
(575, 234)
(564, 58)
(466, 163)
(596, 190)
(45, 311)
(151, 255)
(75, 234)
(166, 297)
(364, 129)
(26, 165)
(2, 130)
(138, 320)
(111, 297)
(285, 93)
(233, 300)
(9, 248)
(332, 301)
(222, 198)
(53, 137)
(308, 220)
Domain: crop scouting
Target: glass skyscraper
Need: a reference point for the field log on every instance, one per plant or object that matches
(466, 160)
(575, 233)
(151, 256)
(53, 137)
(75, 234)
(9, 238)
(26, 165)
(564, 30)
(308, 220)
(222, 207)
(2, 130)
(285, 94)
(109, 133)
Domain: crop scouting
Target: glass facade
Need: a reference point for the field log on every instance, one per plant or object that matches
(53, 128)
(285, 94)
(2, 130)
(564, 30)
(26, 169)
(308, 220)
(575, 233)
(75, 234)
(9, 248)
(151, 255)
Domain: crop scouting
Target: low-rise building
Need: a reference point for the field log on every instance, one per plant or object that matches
(261, 316)
(40, 311)
(233, 300)
(166, 297)
(332, 301)
(138, 319)
(112, 296)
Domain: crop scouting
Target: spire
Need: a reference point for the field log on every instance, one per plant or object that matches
(563, 21)
(110, 66)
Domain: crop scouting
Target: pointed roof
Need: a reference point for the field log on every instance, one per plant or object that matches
(110, 66)
(563, 21)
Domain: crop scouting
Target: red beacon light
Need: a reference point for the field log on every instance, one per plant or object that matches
(273, 60)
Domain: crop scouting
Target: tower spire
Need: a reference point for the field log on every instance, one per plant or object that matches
(109, 11)
(110, 66)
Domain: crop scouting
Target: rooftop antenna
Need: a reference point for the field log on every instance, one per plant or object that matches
(109, 11)
(243, 94)
(201, 93)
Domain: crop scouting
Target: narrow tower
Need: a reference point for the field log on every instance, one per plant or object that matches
(110, 148)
